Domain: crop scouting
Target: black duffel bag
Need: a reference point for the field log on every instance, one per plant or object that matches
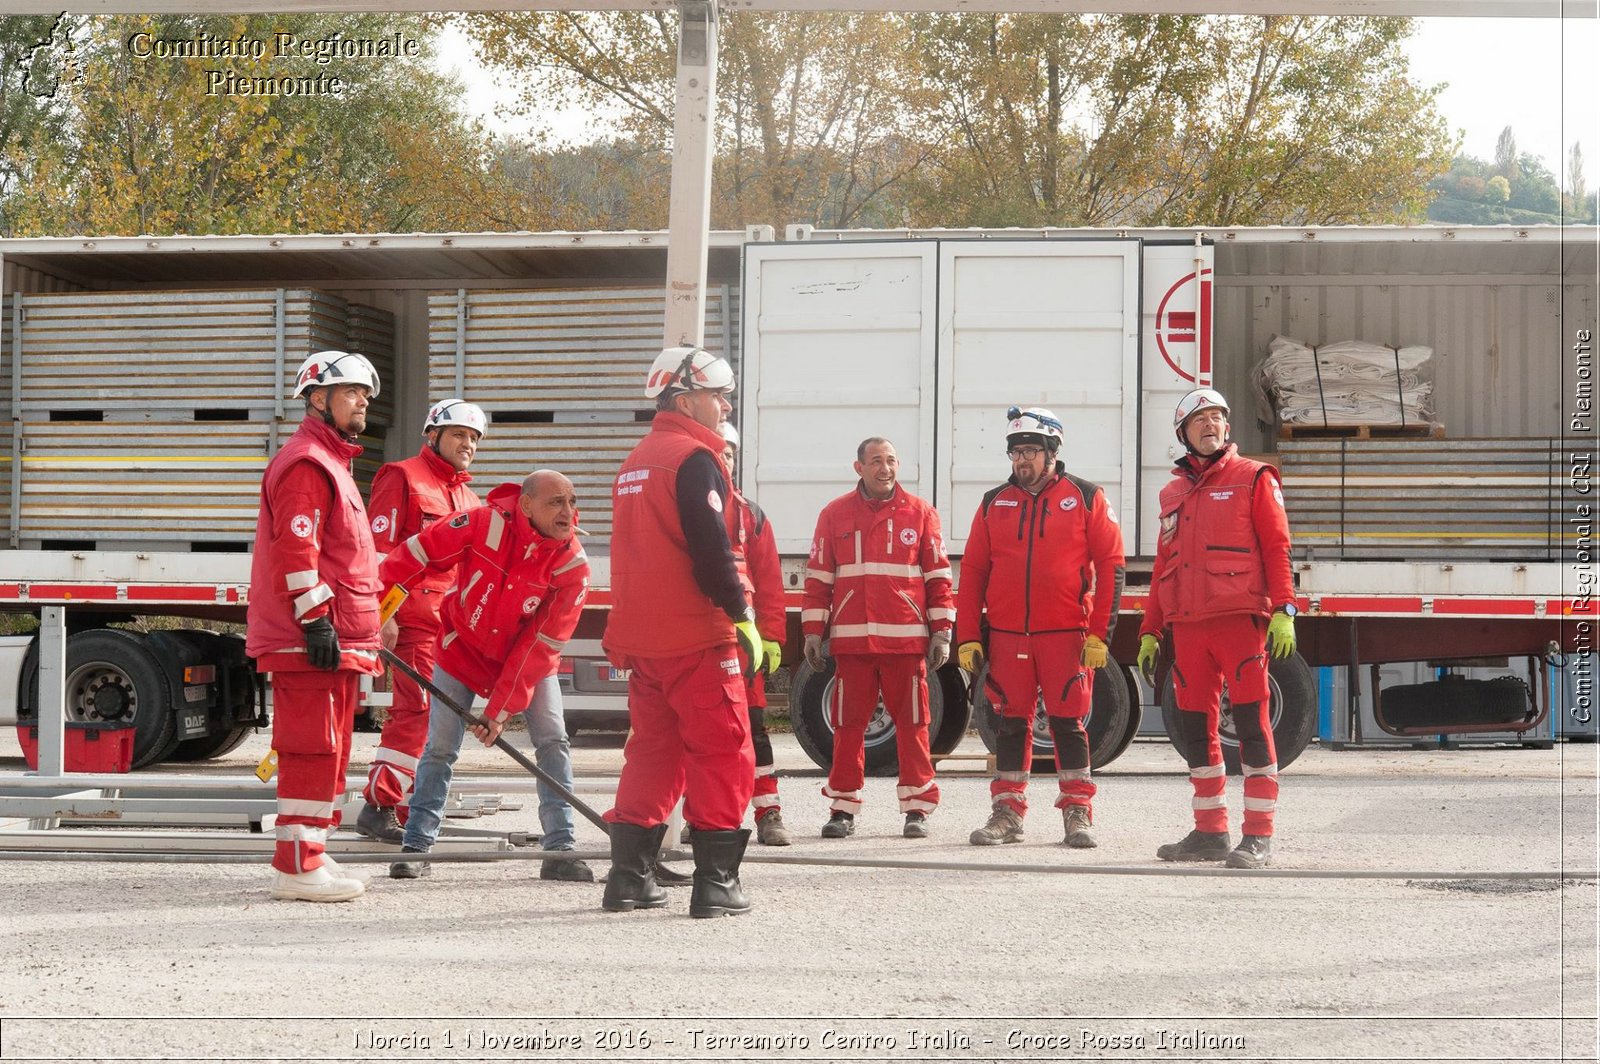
(1456, 701)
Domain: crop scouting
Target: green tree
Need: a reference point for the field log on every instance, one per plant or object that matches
(156, 144)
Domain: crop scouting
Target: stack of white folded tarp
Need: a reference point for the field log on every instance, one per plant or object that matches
(1345, 383)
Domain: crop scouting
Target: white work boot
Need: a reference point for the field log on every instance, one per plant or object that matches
(339, 871)
(319, 884)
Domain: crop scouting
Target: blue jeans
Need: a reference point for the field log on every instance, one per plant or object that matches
(547, 734)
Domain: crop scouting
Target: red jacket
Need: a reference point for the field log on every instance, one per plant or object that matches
(755, 552)
(515, 603)
(407, 497)
(1042, 563)
(659, 607)
(878, 580)
(313, 556)
(1224, 544)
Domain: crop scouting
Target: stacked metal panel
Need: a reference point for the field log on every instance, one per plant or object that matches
(147, 417)
(1418, 499)
(371, 332)
(561, 373)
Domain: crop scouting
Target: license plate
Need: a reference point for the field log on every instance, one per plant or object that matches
(196, 693)
(617, 675)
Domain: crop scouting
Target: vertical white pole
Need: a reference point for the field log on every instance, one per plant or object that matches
(52, 690)
(693, 138)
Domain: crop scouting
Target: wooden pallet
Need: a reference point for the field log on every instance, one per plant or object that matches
(1423, 431)
(986, 761)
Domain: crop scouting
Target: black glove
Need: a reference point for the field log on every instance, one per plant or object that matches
(322, 644)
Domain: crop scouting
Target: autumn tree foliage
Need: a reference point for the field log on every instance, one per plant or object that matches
(1028, 120)
(144, 147)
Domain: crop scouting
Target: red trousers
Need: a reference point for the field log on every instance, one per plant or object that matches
(1022, 669)
(312, 716)
(405, 732)
(903, 681)
(1207, 654)
(690, 738)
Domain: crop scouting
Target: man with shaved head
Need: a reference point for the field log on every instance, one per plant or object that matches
(520, 583)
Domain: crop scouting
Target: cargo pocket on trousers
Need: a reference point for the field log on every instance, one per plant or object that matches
(302, 720)
(721, 713)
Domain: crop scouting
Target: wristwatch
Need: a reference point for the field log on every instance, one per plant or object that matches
(1289, 609)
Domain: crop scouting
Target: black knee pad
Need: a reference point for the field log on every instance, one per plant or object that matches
(1012, 741)
(1194, 738)
(1249, 726)
(1072, 742)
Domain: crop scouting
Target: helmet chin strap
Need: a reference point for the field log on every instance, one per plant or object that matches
(327, 419)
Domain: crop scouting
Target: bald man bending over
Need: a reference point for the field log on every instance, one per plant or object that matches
(520, 583)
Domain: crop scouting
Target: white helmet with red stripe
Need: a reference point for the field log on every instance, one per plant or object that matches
(335, 367)
(1191, 404)
(684, 369)
(447, 412)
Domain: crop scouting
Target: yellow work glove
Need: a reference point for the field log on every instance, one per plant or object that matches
(774, 654)
(1148, 645)
(1280, 635)
(750, 642)
(1094, 653)
(970, 656)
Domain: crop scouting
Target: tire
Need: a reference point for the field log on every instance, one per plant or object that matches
(956, 711)
(1293, 713)
(808, 700)
(227, 731)
(112, 676)
(211, 746)
(1107, 723)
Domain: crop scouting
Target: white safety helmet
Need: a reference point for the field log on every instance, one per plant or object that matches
(683, 369)
(1033, 425)
(447, 412)
(730, 434)
(335, 367)
(1191, 404)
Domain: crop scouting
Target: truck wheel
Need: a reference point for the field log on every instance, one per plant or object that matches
(211, 746)
(1293, 713)
(1107, 724)
(111, 676)
(808, 701)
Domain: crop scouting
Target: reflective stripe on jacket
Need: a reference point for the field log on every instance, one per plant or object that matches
(313, 555)
(878, 579)
(516, 601)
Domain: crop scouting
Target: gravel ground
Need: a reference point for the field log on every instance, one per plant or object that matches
(116, 961)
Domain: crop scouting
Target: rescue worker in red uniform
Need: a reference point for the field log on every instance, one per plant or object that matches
(313, 617)
(1045, 558)
(680, 622)
(521, 579)
(755, 551)
(1222, 581)
(407, 497)
(878, 585)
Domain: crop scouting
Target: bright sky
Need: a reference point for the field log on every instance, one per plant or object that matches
(1536, 75)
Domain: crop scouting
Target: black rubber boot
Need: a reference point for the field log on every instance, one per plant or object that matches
(631, 884)
(716, 873)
